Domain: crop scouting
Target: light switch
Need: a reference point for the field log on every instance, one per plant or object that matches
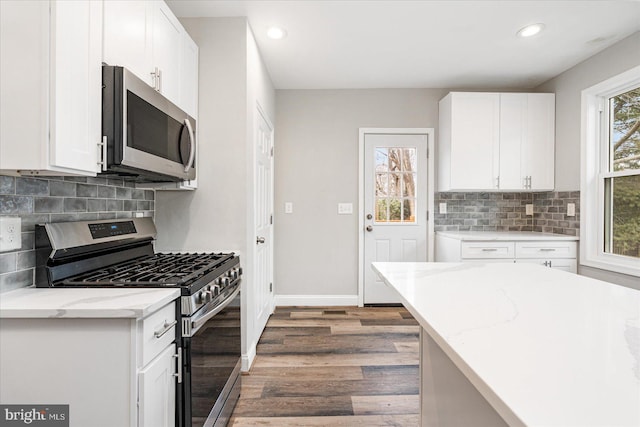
(443, 208)
(529, 208)
(571, 209)
(345, 208)
(288, 207)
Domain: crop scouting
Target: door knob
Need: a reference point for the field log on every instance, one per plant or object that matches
(259, 239)
(369, 228)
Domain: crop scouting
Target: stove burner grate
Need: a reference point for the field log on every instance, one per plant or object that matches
(161, 269)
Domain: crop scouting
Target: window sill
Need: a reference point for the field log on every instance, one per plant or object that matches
(613, 263)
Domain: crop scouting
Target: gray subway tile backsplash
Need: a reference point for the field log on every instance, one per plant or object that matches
(57, 199)
(506, 212)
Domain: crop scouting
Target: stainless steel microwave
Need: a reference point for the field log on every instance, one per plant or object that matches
(146, 137)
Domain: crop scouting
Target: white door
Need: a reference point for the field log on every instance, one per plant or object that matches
(395, 206)
(263, 223)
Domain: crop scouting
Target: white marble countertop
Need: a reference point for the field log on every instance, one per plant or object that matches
(504, 235)
(84, 302)
(544, 347)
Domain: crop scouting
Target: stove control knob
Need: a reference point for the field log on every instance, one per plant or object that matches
(199, 298)
(207, 296)
(216, 290)
(226, 281)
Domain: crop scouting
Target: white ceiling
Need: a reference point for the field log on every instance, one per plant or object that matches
(424, 44)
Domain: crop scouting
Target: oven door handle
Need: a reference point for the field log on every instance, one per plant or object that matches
(198, 323)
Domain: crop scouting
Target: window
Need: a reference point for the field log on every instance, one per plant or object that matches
(610, 231)
(395, 185)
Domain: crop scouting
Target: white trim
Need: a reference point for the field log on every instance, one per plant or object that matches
(429, 132)
(247, 358)
(316, 300)
(593, 159)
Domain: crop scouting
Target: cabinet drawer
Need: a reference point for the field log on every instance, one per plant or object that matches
(158, 332)
(570, 265)
(489, 250)
(546, 250)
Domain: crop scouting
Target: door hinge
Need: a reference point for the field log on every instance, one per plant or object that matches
(270, 286)
(427, 215)
(271, 219)
(427, 152)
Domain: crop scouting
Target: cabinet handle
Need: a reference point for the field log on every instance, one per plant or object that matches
(165, 328)
(489, 249)
(547, 250)
(497, 182)
(178, 374)
(159, 71)
(102, 147)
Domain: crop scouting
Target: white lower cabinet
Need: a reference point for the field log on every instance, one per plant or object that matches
(157, 391)
(110, 371)
(548, 250)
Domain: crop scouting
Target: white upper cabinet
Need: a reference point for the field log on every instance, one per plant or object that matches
(496, 141)
(189, 76)
(50, 79)
(167, 44)
(127, 27)
(147, 38)
(469, 141)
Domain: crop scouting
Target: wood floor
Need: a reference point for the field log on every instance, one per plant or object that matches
(337, 366)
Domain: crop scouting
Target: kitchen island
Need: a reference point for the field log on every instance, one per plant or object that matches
(521, 345)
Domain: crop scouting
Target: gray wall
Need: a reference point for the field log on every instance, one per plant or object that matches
(57, 199)
(218, 216)
(316, 158)
(212, 217)
(568, 87)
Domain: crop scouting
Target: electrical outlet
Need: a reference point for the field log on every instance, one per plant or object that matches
(571, 209)
(528, 209)
(443, 208)
(10, 233)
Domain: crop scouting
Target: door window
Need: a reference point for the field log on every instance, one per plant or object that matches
(395, 185)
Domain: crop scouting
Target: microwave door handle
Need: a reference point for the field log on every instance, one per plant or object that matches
(192, 146)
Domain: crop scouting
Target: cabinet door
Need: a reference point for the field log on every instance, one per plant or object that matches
(538, 152)
(157, 391)
(189, 76)
(513, 120)
(127, 36)
(76, 81)
(167, 42)
(475, 119)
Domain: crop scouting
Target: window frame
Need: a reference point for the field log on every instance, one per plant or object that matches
(595, 169)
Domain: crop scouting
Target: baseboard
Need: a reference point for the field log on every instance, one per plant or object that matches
(247, 359)
(316, 300)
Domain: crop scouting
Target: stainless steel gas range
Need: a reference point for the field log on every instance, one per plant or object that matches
(120, 253)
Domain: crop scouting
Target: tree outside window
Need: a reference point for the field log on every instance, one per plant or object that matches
(622, 179)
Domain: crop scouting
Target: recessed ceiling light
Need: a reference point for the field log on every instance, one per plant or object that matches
(276, 33)
(530, 30)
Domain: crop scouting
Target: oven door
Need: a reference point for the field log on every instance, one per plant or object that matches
(212, 364)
